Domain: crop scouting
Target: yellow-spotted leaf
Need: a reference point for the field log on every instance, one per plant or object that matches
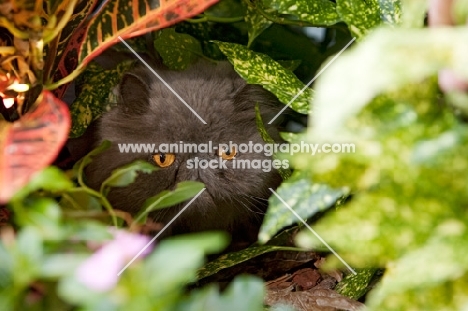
(178, 50)
(364, 15)
(377, 64)
(317, 12)
(92, 101)
(118, 20)
(256, 23)
(298, 196)
(257, 68)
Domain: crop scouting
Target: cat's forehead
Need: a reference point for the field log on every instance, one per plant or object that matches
(205, 119)
(196, 104)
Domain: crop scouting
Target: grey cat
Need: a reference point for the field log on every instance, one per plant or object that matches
(235, 200)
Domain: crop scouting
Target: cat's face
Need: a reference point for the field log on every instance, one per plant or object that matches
(151, 114)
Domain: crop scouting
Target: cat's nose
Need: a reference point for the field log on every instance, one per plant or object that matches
(185, 173)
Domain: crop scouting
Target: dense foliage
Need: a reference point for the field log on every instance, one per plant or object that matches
(397, 204)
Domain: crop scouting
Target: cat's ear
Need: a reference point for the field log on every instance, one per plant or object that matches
(134, 92)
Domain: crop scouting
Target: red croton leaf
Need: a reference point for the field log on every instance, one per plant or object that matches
(125, 19)
(31, 143)
(58, 63)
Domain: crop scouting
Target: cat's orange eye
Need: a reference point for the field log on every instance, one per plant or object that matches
(227, 155)
(164, 159)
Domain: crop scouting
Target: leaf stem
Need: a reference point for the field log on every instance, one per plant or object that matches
(49, 35)
(75, 73)
(103, 200)
(4, 22)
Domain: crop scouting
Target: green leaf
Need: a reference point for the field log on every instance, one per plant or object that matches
(376, 65)
(184, 191)
(177, 50)
(5, 268)
(415, 12)
(391, 11)
(318, 12)
(125, 175)
(303, 196)
(232, 259)
(444, 256)
(290, 64)
(460, 12)
(256, 24)
(355, 286)
(186, 254)
(360, 15)
(91, 101)
(79, 199)
(257, 68)
(28, 253)
(90, 231)
(81, 164)
(59, 265)
(284, 172)
(42, 214)
(225, 9)
(244, 293)
(49, 179)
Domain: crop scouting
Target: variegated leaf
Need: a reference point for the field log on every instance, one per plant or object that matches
(257, 68)
(120, 19)
(31, 143)
(58, 62)
(364, 15)
(178, 50)
(134, 19)
(256, 23)
(317, 12)
(92, 100)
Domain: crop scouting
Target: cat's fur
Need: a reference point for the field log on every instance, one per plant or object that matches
(234, 200)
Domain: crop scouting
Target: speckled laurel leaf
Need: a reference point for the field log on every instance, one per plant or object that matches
(359, 15)
(93, 88)
(444, 256)
(256, 23)
(390, 11)
(317, 12)
(355, 286)
(284, 172)
(448, 296)
(409, 213)
(388, 58)
(303, 196)
(257, 68)
(177, 50)
(232, 259)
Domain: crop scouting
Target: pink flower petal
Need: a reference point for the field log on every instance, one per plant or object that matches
(449, 81)
(99, 272)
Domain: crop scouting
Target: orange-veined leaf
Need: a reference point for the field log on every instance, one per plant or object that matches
(58, 63)
(124, 19)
